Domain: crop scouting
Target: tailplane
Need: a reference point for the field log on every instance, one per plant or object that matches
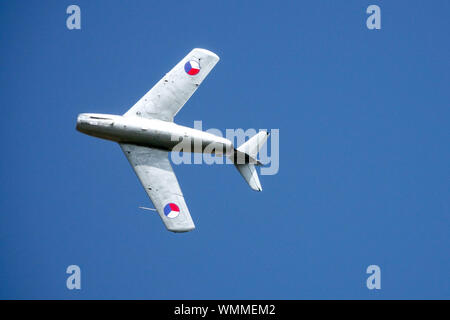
(245, 159)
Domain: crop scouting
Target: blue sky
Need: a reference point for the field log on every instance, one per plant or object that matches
(364, 158)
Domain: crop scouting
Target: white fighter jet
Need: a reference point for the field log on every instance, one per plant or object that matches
(146, 133)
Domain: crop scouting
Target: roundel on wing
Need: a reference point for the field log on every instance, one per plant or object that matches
(192, 67)
(171, 210)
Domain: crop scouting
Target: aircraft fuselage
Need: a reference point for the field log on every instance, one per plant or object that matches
(152, 133)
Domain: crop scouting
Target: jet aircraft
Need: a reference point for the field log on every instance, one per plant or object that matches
(147, 133)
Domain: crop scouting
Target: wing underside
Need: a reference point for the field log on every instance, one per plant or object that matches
(169, 95)
(153, 168)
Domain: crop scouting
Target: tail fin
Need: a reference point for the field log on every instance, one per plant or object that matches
(244, 159)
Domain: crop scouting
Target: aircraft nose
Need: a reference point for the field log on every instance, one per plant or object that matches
(81, 119)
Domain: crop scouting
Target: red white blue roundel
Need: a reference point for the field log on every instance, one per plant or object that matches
(171, 210)
(192, 67)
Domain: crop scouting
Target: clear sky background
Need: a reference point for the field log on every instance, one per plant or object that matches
(364, 151)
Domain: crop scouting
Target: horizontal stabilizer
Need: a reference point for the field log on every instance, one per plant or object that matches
(248, 172)
(254, 144)
(245, 159)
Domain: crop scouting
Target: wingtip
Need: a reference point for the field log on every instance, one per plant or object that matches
(208, 52)
(181, 230)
